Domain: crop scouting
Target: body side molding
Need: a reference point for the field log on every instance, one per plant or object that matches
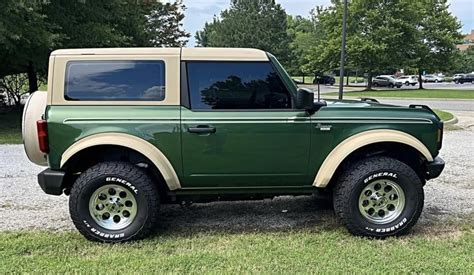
(349, 145)
(140, 145)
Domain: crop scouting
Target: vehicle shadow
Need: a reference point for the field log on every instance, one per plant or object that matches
(279, 214)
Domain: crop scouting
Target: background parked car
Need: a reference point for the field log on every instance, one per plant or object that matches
(467, 78)
(324, 79)
(432, 78)
(408, 80)
(457, 76)
(386, 81)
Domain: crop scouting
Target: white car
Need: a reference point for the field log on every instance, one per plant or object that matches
(408, 80)
(432, 78)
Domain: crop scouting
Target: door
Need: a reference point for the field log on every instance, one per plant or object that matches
(240, 129)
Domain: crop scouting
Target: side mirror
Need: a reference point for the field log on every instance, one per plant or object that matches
(305, 99)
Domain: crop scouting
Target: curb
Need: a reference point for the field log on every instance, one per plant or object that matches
(452, 121)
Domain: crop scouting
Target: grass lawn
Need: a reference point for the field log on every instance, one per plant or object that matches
(445, 116)
(299, 251)
(10, 127)
(427, 93)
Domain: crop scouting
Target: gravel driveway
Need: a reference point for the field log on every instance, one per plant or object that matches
(23, 205)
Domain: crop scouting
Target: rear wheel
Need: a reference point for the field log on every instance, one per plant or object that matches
(114, 202)
(378, 197)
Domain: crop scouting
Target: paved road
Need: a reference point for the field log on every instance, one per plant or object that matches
(24, 206)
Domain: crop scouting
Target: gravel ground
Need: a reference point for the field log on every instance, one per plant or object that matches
(24, 206)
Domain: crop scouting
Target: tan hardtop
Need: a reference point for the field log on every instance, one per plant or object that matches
(230, 54)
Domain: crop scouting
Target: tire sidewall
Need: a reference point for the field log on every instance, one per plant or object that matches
(409, 213)
(90, 225)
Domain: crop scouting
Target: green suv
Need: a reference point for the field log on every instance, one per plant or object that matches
(125, 130)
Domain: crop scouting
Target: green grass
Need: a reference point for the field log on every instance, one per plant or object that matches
(254, 252)
(10, 127)
(445, 116)
(428, 93)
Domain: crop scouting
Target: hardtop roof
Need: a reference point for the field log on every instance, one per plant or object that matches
(230, 54)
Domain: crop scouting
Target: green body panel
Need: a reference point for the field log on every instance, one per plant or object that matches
(158, 125)
(249, 148)
(251, 151)
(349, 118)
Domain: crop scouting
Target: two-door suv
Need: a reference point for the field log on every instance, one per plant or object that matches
(125, 130)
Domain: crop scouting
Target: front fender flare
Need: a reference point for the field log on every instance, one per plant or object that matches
(140, 145)
(351, 144)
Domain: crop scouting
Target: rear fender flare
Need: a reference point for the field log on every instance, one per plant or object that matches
(140, 145)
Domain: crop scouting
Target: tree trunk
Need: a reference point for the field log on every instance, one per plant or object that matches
(347, 80)
(32, 78)
(419, 79)
(369, 81)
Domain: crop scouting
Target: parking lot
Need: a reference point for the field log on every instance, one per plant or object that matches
(360, 86)
(23, 205)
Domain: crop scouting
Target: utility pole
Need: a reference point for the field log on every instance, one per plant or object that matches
(343, 51)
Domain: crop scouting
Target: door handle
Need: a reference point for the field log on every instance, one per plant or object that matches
(202, 129)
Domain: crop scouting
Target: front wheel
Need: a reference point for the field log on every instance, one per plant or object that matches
(114, 202)
(379, 197)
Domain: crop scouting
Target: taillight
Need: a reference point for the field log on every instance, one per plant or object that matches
(440, 135)
(42, 128)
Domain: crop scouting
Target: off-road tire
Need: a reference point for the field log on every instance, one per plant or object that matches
(118, 173)
(352, 182)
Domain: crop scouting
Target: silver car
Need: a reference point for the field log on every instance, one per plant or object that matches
(386, 81)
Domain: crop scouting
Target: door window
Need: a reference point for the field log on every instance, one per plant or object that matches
(236, 85)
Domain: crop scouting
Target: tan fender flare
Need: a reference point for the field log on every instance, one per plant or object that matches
(140, 145)
(349, 145)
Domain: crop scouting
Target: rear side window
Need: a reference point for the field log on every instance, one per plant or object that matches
(115, 80)
(236, 85)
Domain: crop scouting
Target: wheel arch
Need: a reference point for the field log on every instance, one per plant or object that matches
(350, 145)
(141, 146)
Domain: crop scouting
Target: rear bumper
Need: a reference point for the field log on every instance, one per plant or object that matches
(51, 181)
(434, 168)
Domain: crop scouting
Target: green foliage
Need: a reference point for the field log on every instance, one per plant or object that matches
(14, 86)
(385, 35)
(248, 23)
(25, 36)
(438, 33)
(30, 30)
(304, 35)
(164, 26)
(465, 61)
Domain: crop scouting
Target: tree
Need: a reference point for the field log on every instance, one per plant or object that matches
(438, 31)
(30, 30)
(379, 34)
(304, 35)
(465, 61)
(25, 39)
(14, 87)
(164, 26)
(249, 23)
